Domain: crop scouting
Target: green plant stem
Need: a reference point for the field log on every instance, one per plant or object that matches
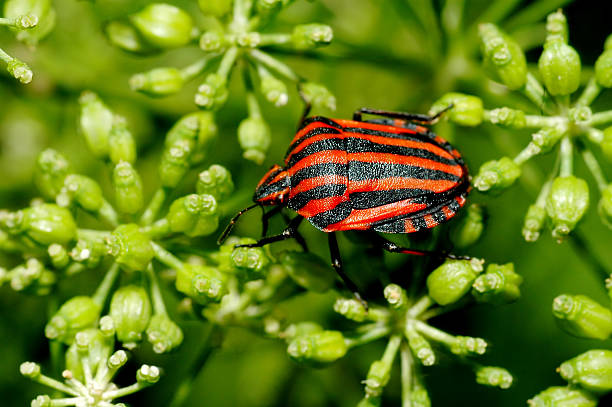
(108, 214)
(124, 391)
(371, 333)
(452, 17)
(150, 213)
(590, 92)
(183, 390)
(593, 166)
(166, 257)
(407, 366)
(91, 234)
(534, 12)
(419, 307)
(5, 57)
(434, 333)
(105, 286)
(391, 350)
(227, 62)
(274, 64)
(159, 307)
(536, 93)
(253, 106)
(157, 230)
(566, 154)
(601, 118)
(55, 347)
(191, 71)
(274, 39)
(529, 151)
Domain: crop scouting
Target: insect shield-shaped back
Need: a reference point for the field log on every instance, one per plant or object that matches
(273, 189)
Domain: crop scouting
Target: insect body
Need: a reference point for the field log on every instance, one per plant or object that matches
(385, 175)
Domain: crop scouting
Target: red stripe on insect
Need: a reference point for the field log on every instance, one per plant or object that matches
(409, 226)
(314, 182)
(391, 183)
(360, 219)
(321, 157)
(307, 129)
(448, 212)
(316, 206)
(430, 221)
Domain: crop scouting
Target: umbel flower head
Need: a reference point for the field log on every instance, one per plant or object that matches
(562, 122)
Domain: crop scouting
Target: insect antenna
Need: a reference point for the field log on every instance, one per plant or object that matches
(232, 222)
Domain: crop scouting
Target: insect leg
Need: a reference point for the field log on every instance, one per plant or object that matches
(266, 216)
(336, 261)
(393, 248)
(307, 105)
(289, 233)
(415, 117)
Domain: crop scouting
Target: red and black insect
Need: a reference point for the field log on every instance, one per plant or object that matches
(385, 175)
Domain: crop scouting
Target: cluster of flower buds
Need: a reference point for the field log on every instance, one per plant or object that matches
(229, 35)
(403, 321)
(569, 126)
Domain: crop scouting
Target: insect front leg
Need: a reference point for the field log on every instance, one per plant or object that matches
(290, 232)
(336, 261)
(296, 234)
(394, 248)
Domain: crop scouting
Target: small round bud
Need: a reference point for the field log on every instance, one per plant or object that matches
(148, 375)
(126, 37)
(559, 67)
(546, 138)
(534, 222)
(591, 370)
(128, 188)
(556, 26)
(83, 191)
(496, 175)
(605, 206)
(318, 95)
(202, 283)
(212, 41)
(94, 345)
(503, 56)
(302, 328)
(467, 345)
(563, 397)
(254, 137)
(274, 90)
(318, 348)
(308, 36)
(351, 309)
(420, 347)
(498, 285)
(175, 162)
(164, 25)
(163, 333)
(250, 259)
(121, 143)
(130, 247)
(215, 8)
(194, 215)
(20, 71)
(50, 172)
(215, 181)
(89, 252)
(130, 309)
(40, 11)
(309, 271)
(74, 315)
(48, 223)
(566, 204)
(507, 117)
(494, 376)
(603, 69)
(213, 93)
(158, 82)
(580, 316)
(452, 280)
(377, 378)
(470, 227)
(396, 296)
(467, 110)
(30, 370)
(198, 129)
(96, 121)
(58, 255)
(248, 40)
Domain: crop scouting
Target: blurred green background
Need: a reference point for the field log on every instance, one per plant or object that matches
(381, 57)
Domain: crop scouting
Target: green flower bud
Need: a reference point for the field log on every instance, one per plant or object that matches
(130, 309)
(215, 8)
(194, 215)
(164, 25)
(308, 36)
(503, 56)
(556, 26)
(318, 95)
(318, 348)
(148, 375)
(126, 37)
(546, 138)
(507, 117)
(158, 82)
(563, 397)
(396, 296)
(96, 121)
(215, 181)
(467, 345)
(48, 223)
(566, 204)
(213, 93)
(467, 110)
(254, 137)
(302, 328)
(20, 71)
(41, 10)
(121, 143)
(199, 129)
(251, 259)
(309, 271)
(498, 285)
(274, 90)
(580, 316)
(452, 280)
(248, 40)
(580, 115)
(351, 309)
(58, 255)
(31, 277)
(370, 402)
(603, 69)
(50, 172)
(212, 41)
(559, 67)
(419, 396)
(128, 188)
(174, 163)
(496, 175)
(591, 370)
(89, 252)
(130, 247)
(107, 326)
(76, 314)
(470, 227)
(203, 284)
(534, 222)
(377, 378)
(42, 400)
(605, 206)
(163, 333)
(96, 347)
(420, 347)
(493, 376)
(30, 370)
(81, 190)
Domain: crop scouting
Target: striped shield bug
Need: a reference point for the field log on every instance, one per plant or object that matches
(389, 175)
